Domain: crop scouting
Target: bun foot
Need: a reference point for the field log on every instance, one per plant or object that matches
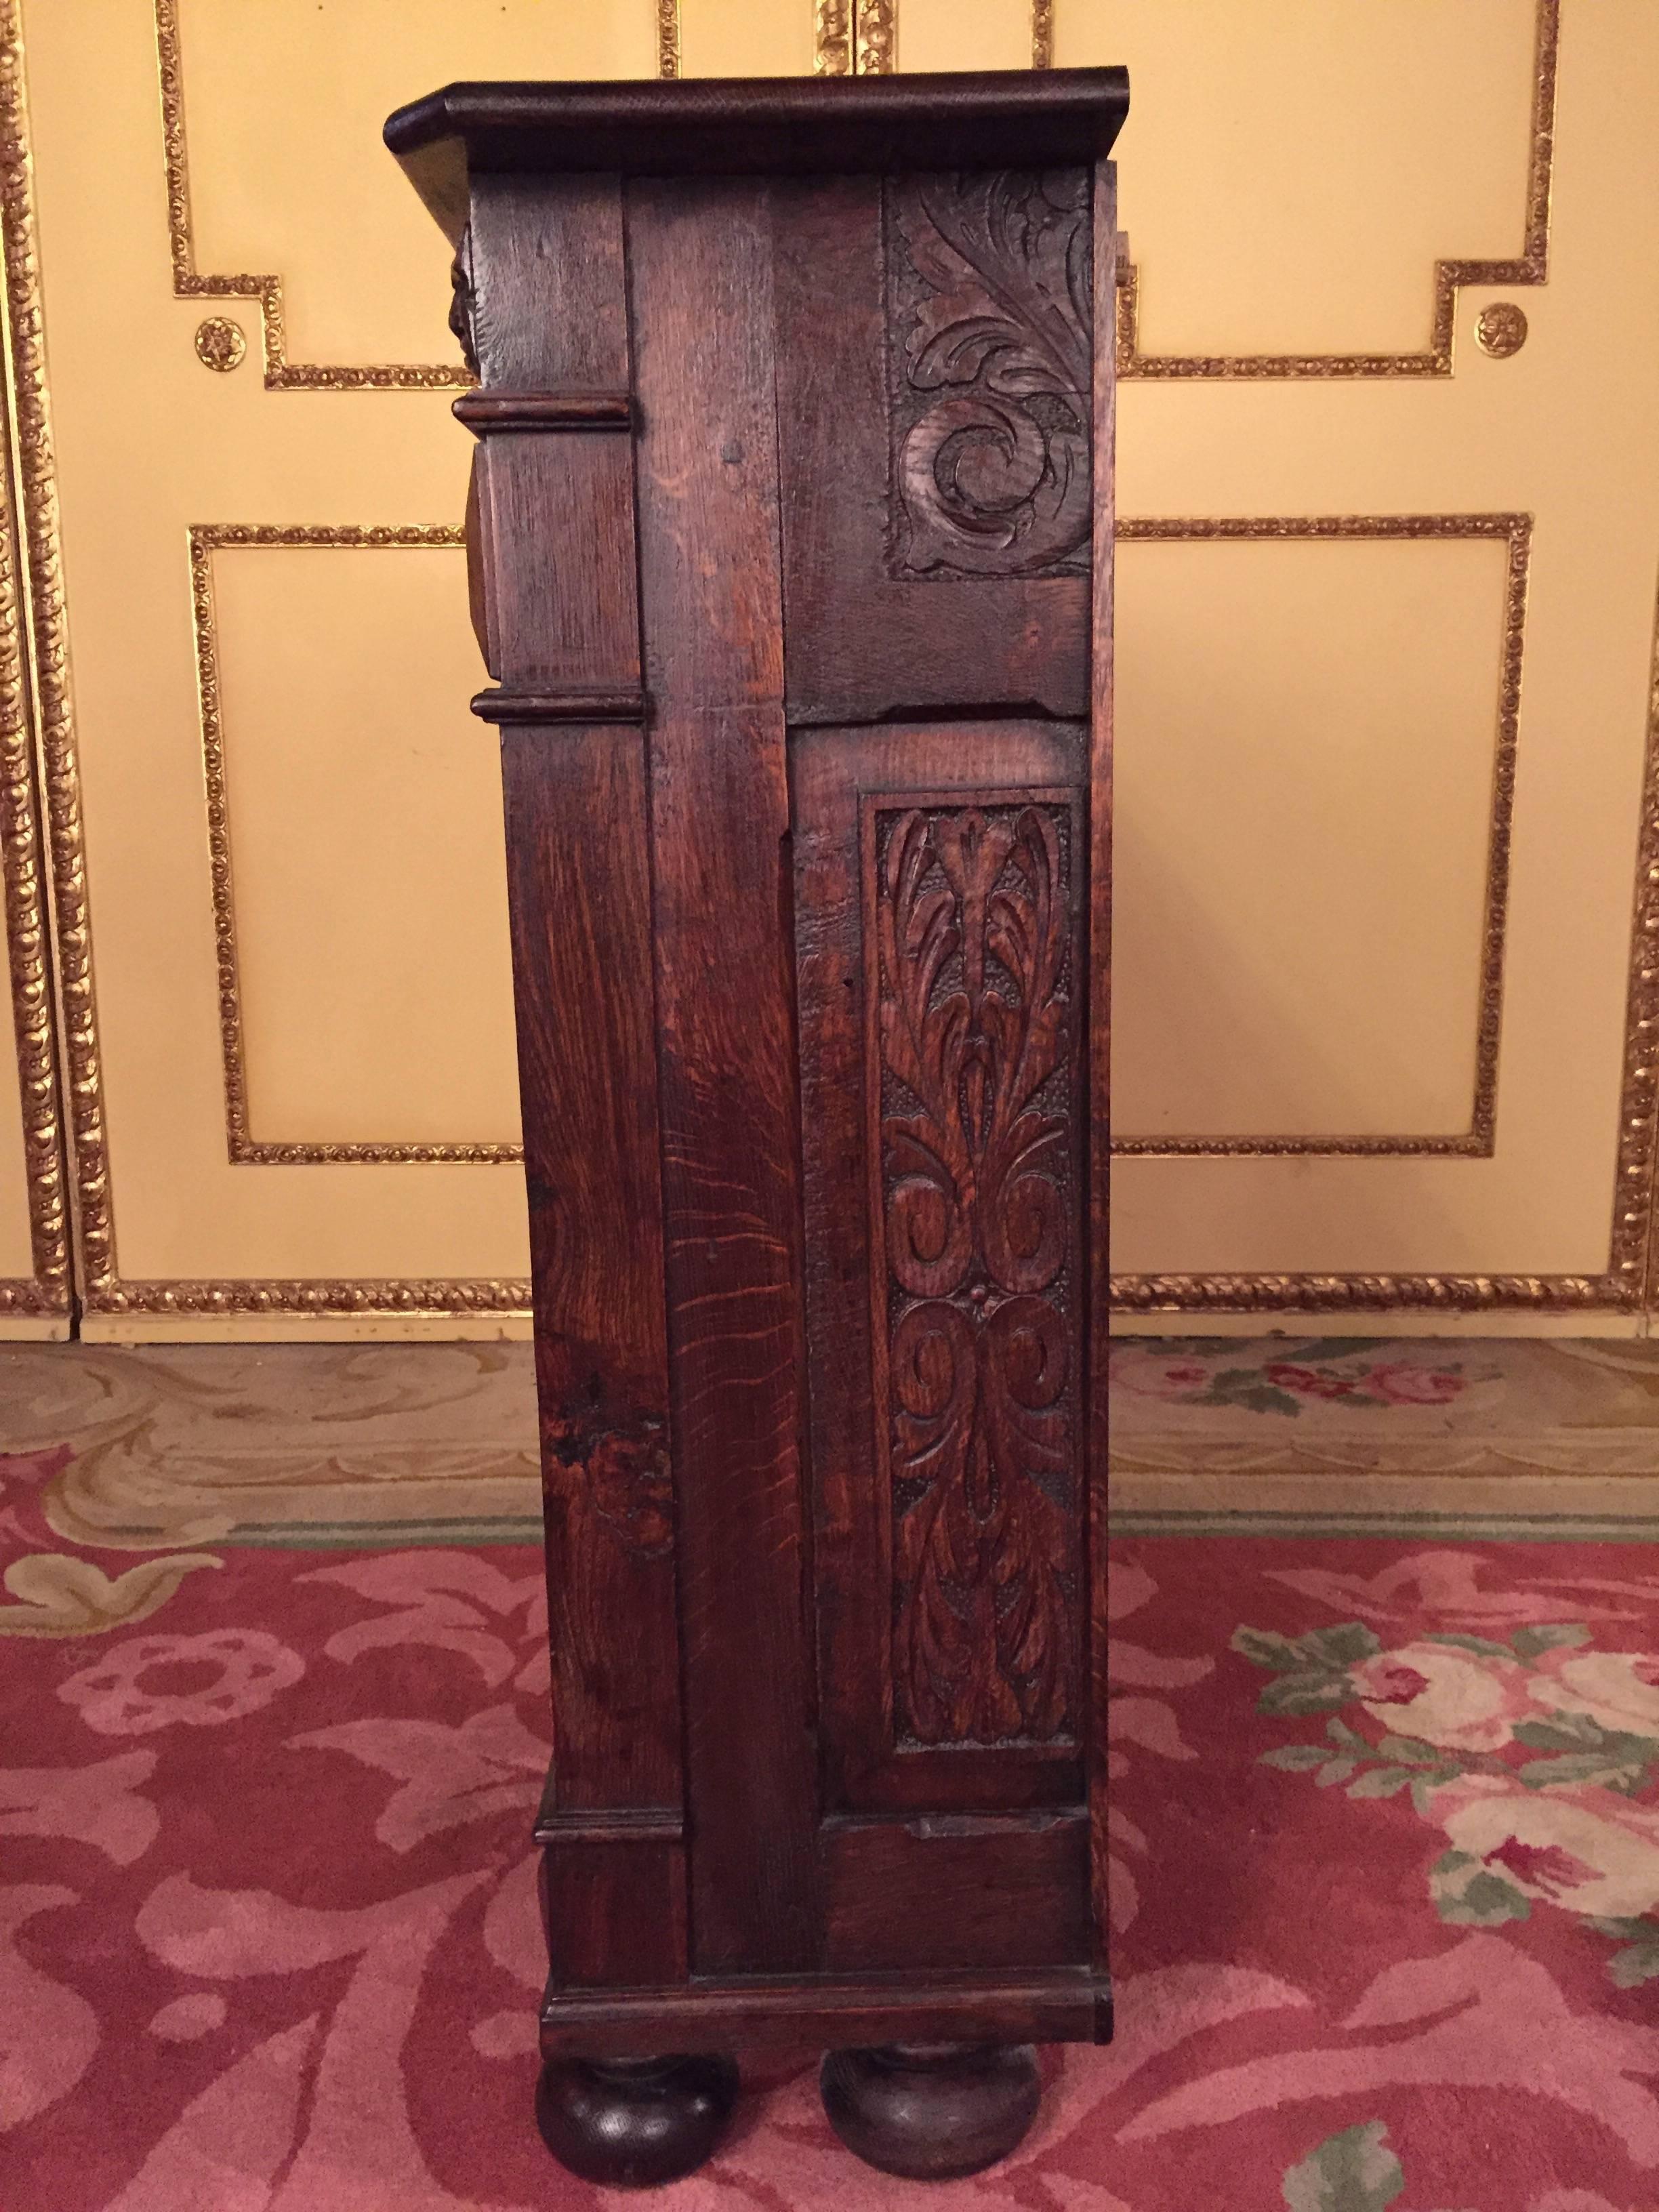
(635, 2123)
(932, 2112)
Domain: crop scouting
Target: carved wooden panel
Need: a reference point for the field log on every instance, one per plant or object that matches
(989, 314)
(940, 894)
(972, 1009)
(935, 367)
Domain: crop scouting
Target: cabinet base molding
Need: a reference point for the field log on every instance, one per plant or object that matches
(1065, 2004)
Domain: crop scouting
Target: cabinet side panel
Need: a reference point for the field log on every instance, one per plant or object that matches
(556, 561)
(547, 309)
(1100, 1042)
(700, 267)
(942, 1892)
(577, 879)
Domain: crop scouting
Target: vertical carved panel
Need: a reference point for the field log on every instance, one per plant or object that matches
(972, 923)
(989, 313)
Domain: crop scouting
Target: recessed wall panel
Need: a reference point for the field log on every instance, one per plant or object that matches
(366, 879)
(1304, 730)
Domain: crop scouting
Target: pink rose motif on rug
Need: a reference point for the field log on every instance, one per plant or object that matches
(1261, 1378)
(1537, 1757)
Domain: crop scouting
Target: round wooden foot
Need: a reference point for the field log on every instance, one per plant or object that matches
(932, 2112)
(633, 2123)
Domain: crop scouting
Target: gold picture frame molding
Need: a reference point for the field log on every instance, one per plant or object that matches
(45, 885)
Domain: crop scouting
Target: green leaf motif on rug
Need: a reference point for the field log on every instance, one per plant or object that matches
(1636, 1964)
(1469, 1894)
(1353, 2172)
(1312, 1670)
(1530, 1642)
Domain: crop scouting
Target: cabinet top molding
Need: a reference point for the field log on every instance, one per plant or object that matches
(730, 126)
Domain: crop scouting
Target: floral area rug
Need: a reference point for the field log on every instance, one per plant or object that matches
(158, 1446)
(1387, 1896)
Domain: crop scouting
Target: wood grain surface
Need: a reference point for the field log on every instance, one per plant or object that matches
(700, 257)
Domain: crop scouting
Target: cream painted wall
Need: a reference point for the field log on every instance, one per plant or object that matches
(1309, 725)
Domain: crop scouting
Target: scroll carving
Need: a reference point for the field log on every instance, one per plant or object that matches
(974, 1069)
(989, 312)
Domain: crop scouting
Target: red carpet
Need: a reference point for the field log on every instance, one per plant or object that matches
(1389, 1897)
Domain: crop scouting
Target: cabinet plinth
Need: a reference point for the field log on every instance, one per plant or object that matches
(790, 545)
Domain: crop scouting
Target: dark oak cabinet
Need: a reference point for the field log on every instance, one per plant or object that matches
(790, 543)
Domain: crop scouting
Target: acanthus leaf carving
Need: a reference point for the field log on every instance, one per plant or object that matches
(990, 281)
(977, 1052)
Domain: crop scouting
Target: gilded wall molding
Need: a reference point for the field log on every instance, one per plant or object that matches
(1515, 531)
(244, 1150)
(832, 37)
(1376, 1294)
(668, 38)
(29, 947)
(877, 38)
(854, 38)
(361, 1297)
(1635, 1225)
(1530, 266)
(46, 912)
(190, 283)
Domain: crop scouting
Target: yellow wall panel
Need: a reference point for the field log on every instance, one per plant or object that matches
(367, 817)
(756, 38)
(283, 103)
(958, 34)
(1296, 169)
(1293, 717)
(1565, 431)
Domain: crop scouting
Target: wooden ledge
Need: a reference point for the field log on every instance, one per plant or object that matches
(733, 126)
(484, 411)
(504, 705)
(607, 1824)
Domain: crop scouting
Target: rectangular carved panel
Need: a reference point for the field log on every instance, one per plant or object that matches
(971, 1060)
(989, 317)
(941, 888)
(899, 364)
